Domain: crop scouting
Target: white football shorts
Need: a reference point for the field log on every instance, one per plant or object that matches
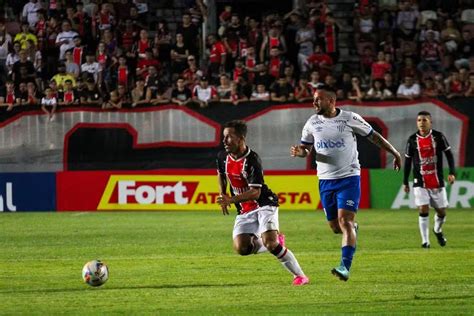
(435, 197)
(256, 222)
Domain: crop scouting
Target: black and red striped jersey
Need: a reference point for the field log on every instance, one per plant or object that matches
(426, 152)
(243, 173)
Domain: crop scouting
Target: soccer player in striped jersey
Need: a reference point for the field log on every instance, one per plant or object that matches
(256, 225)
(425, 150)
(331, 132)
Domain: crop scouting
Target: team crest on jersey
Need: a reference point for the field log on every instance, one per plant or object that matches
(341, 128)
(319, 129)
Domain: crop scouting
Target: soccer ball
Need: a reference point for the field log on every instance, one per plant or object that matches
(95, 273)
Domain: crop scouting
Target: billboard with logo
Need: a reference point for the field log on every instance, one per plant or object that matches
(27, 192)
(387, 190)
(170, 190)
(182, 190)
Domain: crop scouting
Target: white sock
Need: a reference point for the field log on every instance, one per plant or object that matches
(288, 260)
(438, 223)
(258, 245)
(424, 223)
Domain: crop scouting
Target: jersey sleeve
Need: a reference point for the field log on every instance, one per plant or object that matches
(307, 137)
(254, 172)
(220, 162)
(409, 149)
(443, 143)
(359, 125)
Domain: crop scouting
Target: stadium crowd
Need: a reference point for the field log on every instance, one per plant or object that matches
(106, 54)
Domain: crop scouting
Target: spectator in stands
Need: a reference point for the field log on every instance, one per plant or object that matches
(428, 28)
(390, 83)
(378, 92)
(217, 57)
(61, 77)
(357, 93)
(407, 19)
(465, 51)
(33, 96)
(289, 74)
(5, 43)
(331, 34)
(140, 94)
(429, 89)
(344, 85)
(274, 38)
(320, 61)
(192, 74)
(231, 39)
(29, 13)
(8, 95)
(223, 89)
(408, 90)
(144, 63)
(263, 77)
(181, 95)
(470, 88)
(431, 54)
(190, 34)
(157, 96)
(277, 63)
(454, 85)
(305, 38)
(179, 55)
(23, 70)
(260, 93)
(366, 59)
(25, 35)
(239, 69)
(250, 63)
(314, 81)
(12, 58)
(302, 91)
(91, 94)
(49, 104)
(69, 96)
(451, 37)
(235, 96)
(281, 91)
(91, 68)
(364, 24)
(409, 69)
(71, 67)
(380, 67)
(204, 93)
(65, 39)
(114, 101)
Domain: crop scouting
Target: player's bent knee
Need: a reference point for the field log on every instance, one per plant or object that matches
(270, 245)
(335, 227)
(243, 249)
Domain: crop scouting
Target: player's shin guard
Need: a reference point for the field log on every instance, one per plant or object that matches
(438, 223)
(347, 255)
(288, 260)
(424, 223)
(258, 246)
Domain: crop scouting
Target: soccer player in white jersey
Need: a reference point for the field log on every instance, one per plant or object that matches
(331, 131)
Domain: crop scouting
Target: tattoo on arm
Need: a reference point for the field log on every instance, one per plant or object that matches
(381, 142)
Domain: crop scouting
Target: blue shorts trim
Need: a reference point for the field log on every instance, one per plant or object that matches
(339, 194)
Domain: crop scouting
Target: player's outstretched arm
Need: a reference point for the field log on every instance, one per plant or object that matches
(381, 142)
(300, 150)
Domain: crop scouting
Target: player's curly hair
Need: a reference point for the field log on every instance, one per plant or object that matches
(239, 126)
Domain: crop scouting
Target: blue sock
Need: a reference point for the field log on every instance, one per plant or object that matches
(347, 254)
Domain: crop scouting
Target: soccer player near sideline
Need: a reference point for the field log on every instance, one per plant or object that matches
(331, 131)
(256, 225)
(425, 149)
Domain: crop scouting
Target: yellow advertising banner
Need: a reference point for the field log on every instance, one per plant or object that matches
(197, 192)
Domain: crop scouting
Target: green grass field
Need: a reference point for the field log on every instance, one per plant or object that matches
(183, 263)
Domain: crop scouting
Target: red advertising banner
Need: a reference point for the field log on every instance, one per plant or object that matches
(181, 190)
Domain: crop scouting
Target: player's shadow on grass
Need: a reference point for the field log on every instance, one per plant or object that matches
(132, 287)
